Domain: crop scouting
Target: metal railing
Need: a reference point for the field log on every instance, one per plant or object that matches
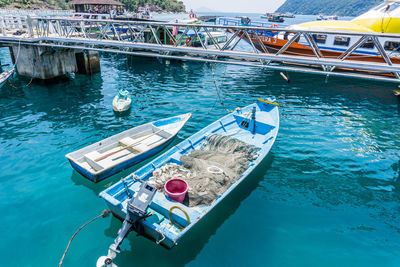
(36, 12)
(176, 40)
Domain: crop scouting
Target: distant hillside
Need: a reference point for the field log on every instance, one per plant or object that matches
(34, 4)
(328, 7)
(130, 5)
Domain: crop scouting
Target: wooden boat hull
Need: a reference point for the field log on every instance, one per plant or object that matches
(158, 227)
(86, 160)
(274, 44)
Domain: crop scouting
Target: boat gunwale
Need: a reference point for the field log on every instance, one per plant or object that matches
(265, 149)
(184, 118)
(245, 174)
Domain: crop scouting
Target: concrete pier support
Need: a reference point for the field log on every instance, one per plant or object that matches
(48, 63)
(43, 62)
(88, 62)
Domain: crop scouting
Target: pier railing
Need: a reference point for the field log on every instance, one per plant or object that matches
(244, 45)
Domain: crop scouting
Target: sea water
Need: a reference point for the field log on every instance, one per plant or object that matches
(327, 195)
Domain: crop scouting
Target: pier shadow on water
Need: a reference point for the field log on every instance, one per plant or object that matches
(141, 251)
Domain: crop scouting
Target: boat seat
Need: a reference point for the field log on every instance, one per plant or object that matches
(127, 141)
(91, 160)
(143, 145)
(111, 160)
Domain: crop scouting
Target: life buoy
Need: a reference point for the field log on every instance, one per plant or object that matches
(188, 41)
(274, 26)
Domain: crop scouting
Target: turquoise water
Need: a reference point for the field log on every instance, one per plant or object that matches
(327, 195)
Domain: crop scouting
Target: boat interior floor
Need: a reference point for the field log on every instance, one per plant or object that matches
(210, 170)
(122, 150)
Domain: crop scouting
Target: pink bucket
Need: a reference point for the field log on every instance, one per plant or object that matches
(176, 189)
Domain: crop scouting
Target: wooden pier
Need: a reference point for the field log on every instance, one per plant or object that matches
(33, 37)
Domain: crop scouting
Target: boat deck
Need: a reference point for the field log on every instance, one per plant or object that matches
(132, 147)
(262, 137)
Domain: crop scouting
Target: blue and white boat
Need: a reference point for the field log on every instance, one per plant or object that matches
(121, 151)
(122, 101)
(166, 220)
(5, 76)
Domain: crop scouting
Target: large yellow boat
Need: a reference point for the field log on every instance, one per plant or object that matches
(384, 18)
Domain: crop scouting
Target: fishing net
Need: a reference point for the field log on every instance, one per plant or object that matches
(209, 171)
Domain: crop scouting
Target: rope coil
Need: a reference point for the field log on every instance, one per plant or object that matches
(170, 217)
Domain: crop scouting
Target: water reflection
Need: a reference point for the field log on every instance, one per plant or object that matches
(398, 104)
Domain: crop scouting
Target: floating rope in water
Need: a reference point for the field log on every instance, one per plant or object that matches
(104, 214)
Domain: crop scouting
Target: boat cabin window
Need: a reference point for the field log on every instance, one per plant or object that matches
(387, 7)
(219, 40)
(341, 40)
(378, 7)
(319, 38)
(222, 39)
(368, 44)
(390, 45)
(391, 7)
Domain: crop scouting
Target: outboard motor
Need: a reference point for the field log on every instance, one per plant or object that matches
(136, 211)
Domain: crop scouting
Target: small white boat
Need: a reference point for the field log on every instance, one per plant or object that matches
(5, 75)
(122, 101)
(322, 17)
(121, 151)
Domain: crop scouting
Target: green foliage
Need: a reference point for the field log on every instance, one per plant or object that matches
(4, 2)
(130, 5)
(328, 7)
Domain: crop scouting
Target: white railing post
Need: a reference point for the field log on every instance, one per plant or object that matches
(29, 25)
(3, 26)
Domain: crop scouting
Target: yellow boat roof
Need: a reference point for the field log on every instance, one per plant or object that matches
(341, 25)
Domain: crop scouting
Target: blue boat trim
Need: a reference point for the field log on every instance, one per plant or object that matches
(99, 176)
(116, 197)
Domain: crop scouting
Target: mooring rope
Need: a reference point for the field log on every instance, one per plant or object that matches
(15, 87)
(217, 89)
(104, 214)
(14, 66)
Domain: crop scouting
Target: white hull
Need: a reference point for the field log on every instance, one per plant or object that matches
(121, 105)
(123, 150)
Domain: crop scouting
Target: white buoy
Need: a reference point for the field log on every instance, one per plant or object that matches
(122, 101)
